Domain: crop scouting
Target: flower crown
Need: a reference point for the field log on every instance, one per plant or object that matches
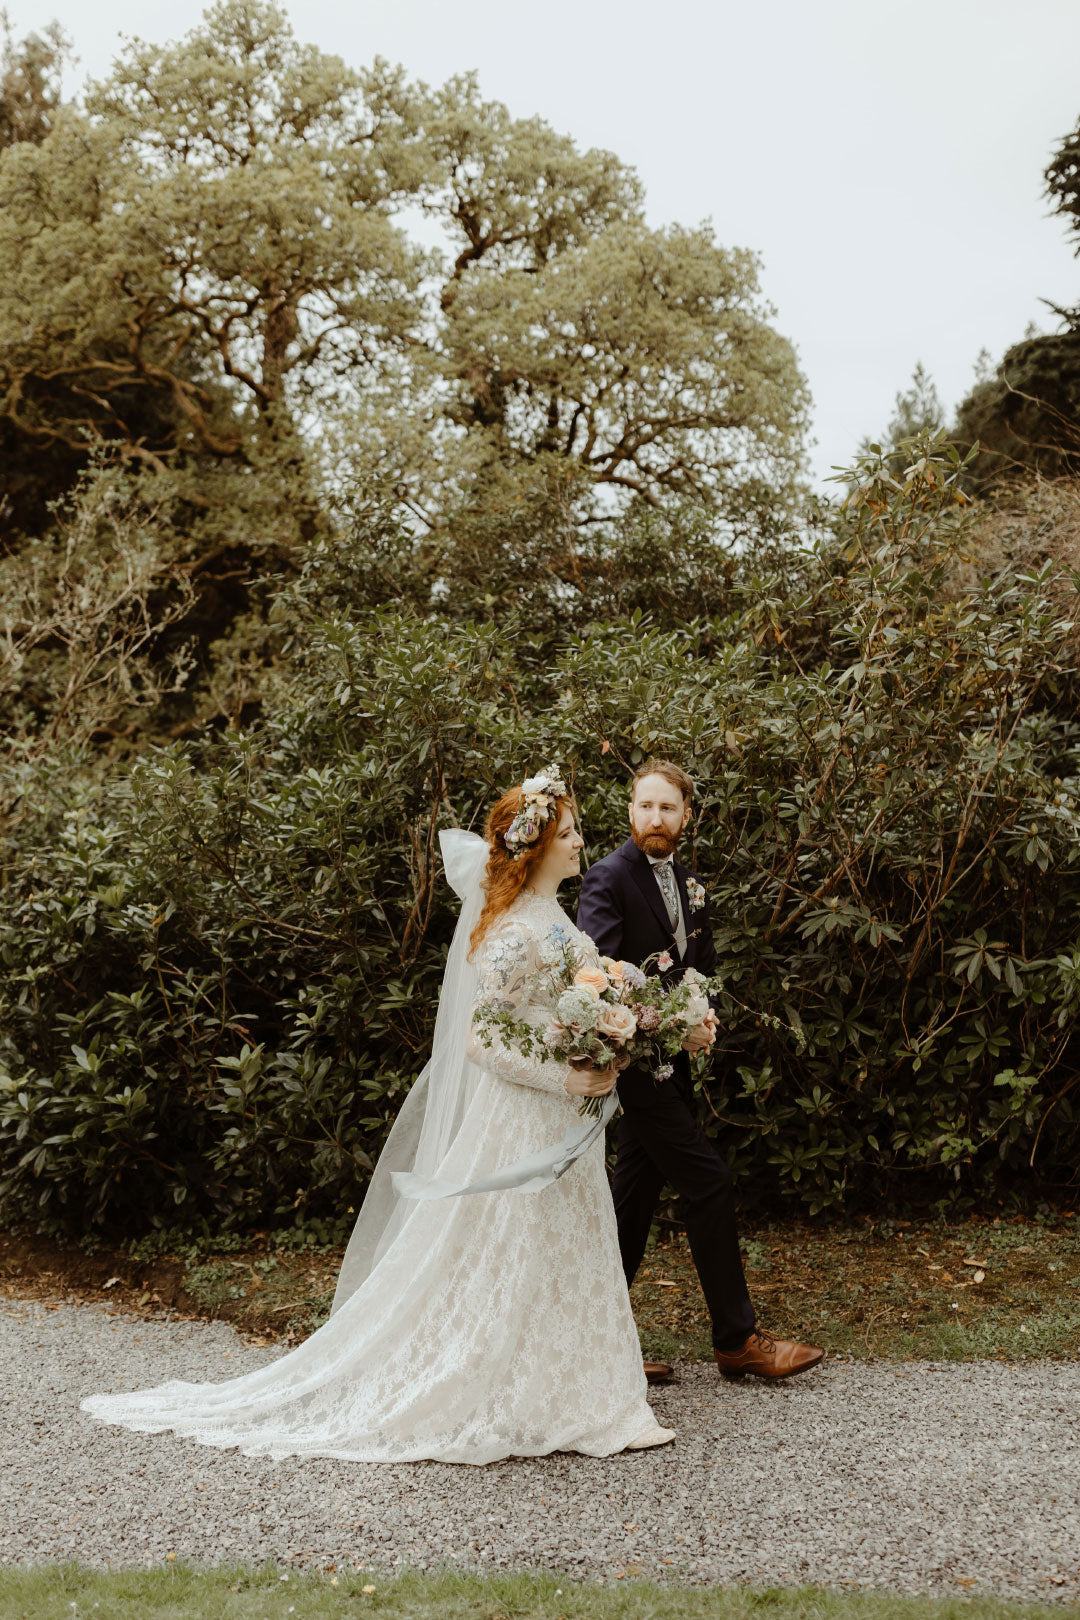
(538, 796)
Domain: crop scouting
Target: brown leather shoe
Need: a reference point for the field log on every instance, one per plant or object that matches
(767, 1357)
(658, 1372)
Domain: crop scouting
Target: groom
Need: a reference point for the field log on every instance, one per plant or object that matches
(634, 904)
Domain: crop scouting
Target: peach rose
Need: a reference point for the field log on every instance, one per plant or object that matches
(613, 970)
(592, 979)
(616, 1021)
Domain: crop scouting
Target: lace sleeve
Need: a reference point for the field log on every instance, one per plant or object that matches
(505, 962)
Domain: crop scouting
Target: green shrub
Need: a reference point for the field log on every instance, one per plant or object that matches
(220, 969)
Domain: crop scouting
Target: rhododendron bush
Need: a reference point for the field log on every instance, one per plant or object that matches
(221, 961)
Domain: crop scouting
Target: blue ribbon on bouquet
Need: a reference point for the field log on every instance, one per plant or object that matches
(527, 1175)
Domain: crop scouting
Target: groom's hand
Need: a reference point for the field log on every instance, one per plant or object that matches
(703, 1035)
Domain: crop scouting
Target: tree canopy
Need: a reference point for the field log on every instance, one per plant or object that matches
(211, 270)
(30, 87)
(1025, 415)
(215, 281)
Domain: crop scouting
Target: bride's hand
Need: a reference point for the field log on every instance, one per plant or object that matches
(592, 1082)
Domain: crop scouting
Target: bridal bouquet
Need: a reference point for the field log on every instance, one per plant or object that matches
(665, 1015)
(602, 1012)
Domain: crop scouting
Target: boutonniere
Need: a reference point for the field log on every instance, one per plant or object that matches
(695, 894)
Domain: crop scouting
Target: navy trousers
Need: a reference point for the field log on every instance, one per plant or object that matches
(660, 1142)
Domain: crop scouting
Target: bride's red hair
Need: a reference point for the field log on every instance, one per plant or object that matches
(505, 877)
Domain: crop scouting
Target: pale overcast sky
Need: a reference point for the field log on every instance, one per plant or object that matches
(885, 159)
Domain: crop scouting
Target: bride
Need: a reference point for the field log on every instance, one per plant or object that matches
(481, 1311)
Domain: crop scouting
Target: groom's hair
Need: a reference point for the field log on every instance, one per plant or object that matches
(670, 772)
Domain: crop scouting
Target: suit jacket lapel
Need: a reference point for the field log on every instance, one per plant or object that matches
(688, 915)
(650, 889)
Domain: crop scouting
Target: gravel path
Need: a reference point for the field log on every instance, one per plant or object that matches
(948, 1476)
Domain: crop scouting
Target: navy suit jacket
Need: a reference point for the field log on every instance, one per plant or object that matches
(623, 912)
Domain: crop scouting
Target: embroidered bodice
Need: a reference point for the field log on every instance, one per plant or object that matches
(509, 960)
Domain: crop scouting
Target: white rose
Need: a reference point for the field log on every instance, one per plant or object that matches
(695, 1012)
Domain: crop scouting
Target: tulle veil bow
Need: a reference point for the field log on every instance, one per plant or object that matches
(431, 1114)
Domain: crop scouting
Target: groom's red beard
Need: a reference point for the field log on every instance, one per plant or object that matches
(657, 844)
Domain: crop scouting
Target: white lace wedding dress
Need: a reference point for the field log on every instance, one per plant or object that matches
(495, 1325)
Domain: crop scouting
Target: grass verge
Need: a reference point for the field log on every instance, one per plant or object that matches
(1005, 1288)
(186, 1593)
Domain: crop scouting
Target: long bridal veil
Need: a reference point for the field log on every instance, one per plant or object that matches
(431, 1115)
(433, 1112)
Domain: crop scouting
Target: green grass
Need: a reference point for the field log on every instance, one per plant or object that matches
(935, 1290)
(67, 1592)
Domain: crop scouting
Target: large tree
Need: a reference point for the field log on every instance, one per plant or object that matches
(212, 278)
(200, 247)
(1026, 415)
(563, 327)
(210, 263)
